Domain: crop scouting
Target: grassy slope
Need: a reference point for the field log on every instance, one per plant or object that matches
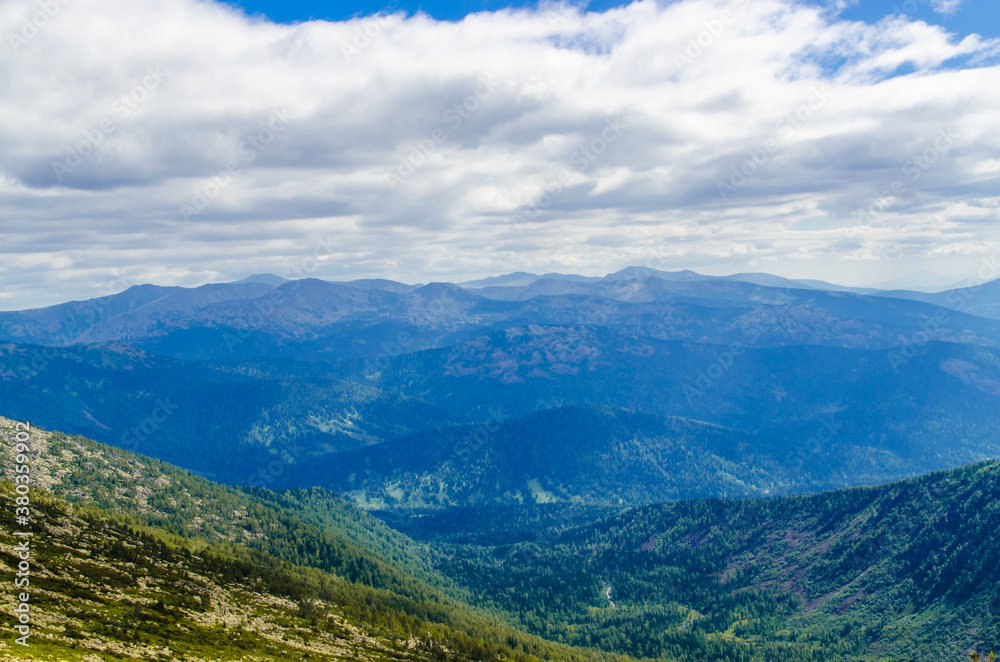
(379, 571)
(99, 586)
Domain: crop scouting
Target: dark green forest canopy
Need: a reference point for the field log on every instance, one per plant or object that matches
(910, 568)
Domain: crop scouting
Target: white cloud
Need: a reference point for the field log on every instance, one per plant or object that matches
(501, 113)
(945, 6)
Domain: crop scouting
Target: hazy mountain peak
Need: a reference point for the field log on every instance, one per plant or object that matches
(267, 279)
(641, 273)
(381, 284)
(437, 289)
(517, 278)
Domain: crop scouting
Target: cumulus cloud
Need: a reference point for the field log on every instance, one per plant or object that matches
(181, 142)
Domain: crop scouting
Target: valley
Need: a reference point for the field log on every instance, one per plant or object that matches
(903, 569)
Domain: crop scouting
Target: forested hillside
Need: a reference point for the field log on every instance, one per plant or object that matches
(782, 420)
(110, 587)
(906, 570)
(909, 570)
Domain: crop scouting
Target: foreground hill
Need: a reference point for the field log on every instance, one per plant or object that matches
(287, 574)
(102, 585)
(907, 570)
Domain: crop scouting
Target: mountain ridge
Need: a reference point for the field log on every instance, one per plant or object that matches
(321, 320)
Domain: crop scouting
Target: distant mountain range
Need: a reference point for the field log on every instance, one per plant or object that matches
(689, 385)
(268, 316)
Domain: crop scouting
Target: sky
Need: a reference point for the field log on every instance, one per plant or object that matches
(954, 15)
(181, 142)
